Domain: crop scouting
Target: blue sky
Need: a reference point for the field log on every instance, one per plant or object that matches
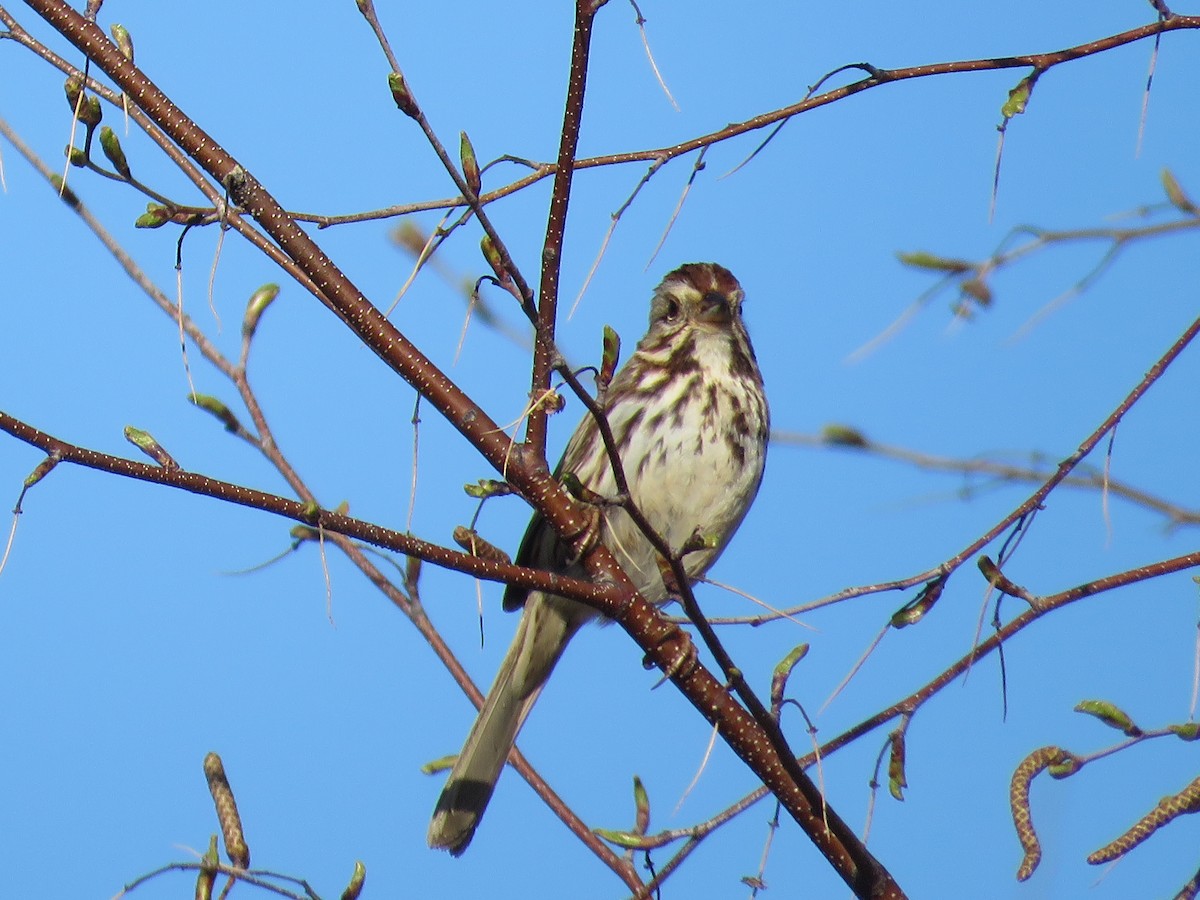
(129, 651)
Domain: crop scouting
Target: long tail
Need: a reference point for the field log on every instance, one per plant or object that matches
(546, 626)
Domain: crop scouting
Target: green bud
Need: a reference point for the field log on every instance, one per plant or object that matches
(783, 671)
(41, 470)
(73, 89)
(112, 149)
(920, 259)
(977, 290)
(641, 805)
(123, 41)
(470, 165)
(217, 410)
(354, 888)
(487, 487)
(843, 436)
(1110, 715)
(155, 215)
(989, 569)
(577, 489)
(1176, 195)
(412, 570)
(1067, 766)
(441, 764)
(492, 255)
(207, 876)
(304, 533)
(609, 357)
(913, 612)
(1018, 97)
(256, 306)
(784, 668)
(90, 112)
(1188, 731)
(145, 442)
(628, 839)
(698, 540)
(400, 93)
(76, 157)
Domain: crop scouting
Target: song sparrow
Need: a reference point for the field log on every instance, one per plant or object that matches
(690, 421)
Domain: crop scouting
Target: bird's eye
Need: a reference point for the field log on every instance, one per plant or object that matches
(672, 311)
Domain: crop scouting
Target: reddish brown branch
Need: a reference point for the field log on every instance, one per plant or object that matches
(665, 644)
(1041, 607)
(1036, 499)
(877, 78)
(544, 354)
(336, 291)
(308, 514)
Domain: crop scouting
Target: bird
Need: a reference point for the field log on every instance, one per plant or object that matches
(690, 421)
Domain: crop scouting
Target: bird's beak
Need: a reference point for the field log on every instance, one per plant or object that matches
(716, 309)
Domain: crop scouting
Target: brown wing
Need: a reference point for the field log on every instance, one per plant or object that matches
(541, 548)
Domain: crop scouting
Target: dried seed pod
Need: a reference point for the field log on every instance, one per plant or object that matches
(1167, 809)
(227, 812)
(469, 540)
(1036, 762)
